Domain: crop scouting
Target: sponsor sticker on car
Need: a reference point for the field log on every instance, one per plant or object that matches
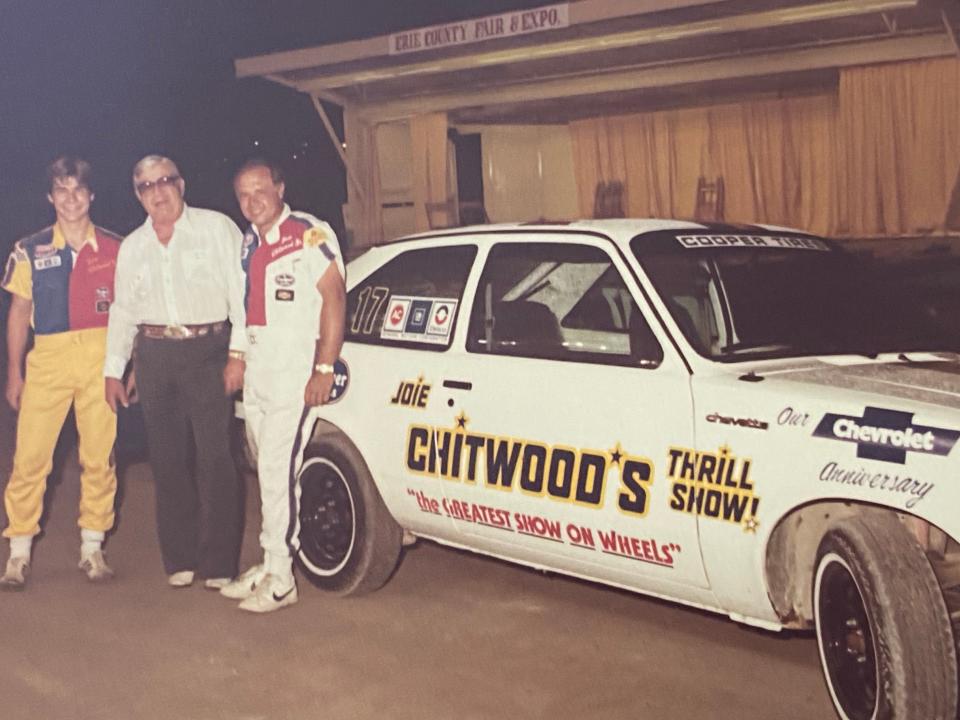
(781, 242)
(418, 319)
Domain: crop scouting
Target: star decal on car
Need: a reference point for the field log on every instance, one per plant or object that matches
(616, 454)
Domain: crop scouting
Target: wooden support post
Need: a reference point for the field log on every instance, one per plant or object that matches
(338, 144)
(952, 219)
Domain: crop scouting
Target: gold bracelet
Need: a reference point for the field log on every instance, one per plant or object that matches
(323, 368)
(236, 354)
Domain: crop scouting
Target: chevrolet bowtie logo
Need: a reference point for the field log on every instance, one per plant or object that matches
(886, 435)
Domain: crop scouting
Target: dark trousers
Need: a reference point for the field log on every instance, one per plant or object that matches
(198, 514)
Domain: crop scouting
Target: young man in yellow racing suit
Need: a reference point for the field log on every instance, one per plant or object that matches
(61, 281)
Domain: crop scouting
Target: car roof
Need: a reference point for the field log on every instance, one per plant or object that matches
(618, 229)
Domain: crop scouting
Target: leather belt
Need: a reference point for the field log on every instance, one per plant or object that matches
(181, 332)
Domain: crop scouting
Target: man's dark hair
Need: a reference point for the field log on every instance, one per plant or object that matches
(276, 172)
(68, 166)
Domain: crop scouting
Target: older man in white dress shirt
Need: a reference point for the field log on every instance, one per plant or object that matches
(176, 290)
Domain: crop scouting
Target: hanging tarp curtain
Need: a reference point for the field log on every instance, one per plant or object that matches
(431, 194)
(774, 156)
(900, 124)
(362, 213)
(878, 157)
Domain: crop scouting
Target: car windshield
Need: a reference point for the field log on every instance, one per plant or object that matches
(738, 296)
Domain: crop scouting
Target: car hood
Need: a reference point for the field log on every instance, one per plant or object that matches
(933, 379)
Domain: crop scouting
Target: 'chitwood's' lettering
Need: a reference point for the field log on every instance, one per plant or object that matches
(535, 468)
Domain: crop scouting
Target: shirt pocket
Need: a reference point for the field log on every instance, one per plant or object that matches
(142, 282)
(283, 285)
(50, 290)
(49, 277)
(196, 264)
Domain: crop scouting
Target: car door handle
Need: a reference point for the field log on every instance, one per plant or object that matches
(458, 384)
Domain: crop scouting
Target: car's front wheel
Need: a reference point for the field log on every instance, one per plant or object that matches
(349, 542)
(883, 629)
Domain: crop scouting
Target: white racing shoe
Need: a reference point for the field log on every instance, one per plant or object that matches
(15, 577)
(272, 593)
(180, 579)
(245, 584)
(95, 567)
(217, 583)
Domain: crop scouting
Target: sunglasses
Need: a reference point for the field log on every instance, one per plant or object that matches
(161, 182)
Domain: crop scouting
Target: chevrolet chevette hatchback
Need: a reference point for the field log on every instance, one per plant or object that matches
(750, 420)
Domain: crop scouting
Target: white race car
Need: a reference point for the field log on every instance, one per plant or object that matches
(746, 419)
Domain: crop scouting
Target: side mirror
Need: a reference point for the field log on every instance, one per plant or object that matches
(645, 350)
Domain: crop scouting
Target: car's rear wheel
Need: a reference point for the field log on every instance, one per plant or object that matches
(886, 645)
(349, 542)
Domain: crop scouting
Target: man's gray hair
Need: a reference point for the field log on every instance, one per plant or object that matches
(152, 160)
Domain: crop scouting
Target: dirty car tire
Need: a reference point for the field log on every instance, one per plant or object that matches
(349, 542)
(883, 630)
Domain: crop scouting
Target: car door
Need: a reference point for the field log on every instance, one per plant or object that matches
(400, 322)
(561, 410)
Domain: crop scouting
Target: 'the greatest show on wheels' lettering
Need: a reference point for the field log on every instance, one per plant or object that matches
(607, 541)
(505, 463)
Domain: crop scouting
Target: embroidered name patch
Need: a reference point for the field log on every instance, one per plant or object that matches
(47, 262)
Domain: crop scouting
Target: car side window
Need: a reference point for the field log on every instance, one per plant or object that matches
(558, 302)
(412, 300)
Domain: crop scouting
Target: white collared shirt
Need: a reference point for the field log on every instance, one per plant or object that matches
(193, 280)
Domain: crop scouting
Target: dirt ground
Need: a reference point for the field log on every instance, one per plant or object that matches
(452, 635)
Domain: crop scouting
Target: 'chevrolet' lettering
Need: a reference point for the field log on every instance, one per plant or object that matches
(848, 429)
(886, 435)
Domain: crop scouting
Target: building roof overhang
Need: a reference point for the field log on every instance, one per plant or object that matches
(612, 55)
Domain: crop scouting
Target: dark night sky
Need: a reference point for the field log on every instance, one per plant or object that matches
(113, 80)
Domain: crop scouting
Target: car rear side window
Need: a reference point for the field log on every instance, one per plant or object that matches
(412, 300)
(558, 302)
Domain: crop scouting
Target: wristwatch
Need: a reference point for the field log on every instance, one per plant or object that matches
(323, 368)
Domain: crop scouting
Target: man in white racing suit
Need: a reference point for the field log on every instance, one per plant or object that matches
(295, 303)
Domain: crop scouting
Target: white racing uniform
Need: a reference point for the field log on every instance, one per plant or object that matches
(283, 307)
